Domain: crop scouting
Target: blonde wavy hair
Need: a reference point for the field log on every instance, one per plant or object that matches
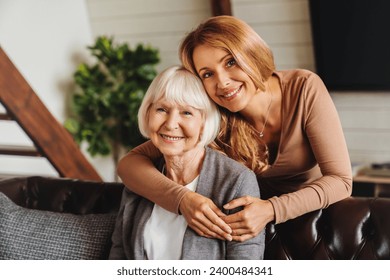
(237, 137)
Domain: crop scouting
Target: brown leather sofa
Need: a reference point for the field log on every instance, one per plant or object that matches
(355, 228)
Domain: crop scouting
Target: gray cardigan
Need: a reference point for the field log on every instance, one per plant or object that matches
(221, 179)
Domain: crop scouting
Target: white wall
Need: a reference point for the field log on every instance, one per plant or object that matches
(160, 23)
(46, 40)
(284, 25)
(365, 117)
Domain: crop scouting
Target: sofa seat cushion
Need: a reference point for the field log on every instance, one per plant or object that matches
(29, 234)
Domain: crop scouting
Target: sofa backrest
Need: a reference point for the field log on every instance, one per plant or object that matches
(63, 195)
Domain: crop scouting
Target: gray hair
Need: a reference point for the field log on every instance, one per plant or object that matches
(178, 85)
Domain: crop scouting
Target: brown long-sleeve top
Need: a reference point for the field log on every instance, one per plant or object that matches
(312, 168)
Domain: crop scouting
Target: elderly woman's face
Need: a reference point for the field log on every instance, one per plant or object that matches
(174, 129)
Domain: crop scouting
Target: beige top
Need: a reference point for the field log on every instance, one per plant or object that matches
(312, 168)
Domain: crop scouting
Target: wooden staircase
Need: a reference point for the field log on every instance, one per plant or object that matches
(50, 138)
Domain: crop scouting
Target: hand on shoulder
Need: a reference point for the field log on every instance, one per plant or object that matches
(250, 221)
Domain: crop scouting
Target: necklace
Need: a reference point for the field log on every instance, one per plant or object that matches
(261, 133)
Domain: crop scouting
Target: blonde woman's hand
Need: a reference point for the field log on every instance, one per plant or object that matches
(251, 220)
(204, 217)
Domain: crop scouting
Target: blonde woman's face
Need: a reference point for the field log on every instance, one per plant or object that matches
(225, 82)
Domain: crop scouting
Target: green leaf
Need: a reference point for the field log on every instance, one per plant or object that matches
(72, 125)
(108, 95)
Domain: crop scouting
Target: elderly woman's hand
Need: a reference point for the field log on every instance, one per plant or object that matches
(250, 221)
(203, 216)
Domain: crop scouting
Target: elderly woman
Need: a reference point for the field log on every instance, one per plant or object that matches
(181, 121)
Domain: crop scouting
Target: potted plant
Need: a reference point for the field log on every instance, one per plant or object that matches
(108, 94)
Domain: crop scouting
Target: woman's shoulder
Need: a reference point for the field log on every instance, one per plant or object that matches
(224, 172)
(221, 162)
(296, 75)
(297, 82)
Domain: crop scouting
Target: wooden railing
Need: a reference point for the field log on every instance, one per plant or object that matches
(50, 138)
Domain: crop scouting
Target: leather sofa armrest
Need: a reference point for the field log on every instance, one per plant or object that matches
(63, 194)
(14, 188)
(354, 228)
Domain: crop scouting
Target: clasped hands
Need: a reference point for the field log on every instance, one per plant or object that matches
(207, 220)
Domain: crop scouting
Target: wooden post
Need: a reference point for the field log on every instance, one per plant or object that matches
(221, 7)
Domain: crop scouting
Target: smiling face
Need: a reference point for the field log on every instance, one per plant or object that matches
(174, 129)
(225, 82)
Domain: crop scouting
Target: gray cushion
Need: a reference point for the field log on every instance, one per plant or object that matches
(31, 234)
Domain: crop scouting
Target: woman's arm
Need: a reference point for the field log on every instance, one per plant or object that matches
(129, 203)
(139, 174)
(324, 132)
